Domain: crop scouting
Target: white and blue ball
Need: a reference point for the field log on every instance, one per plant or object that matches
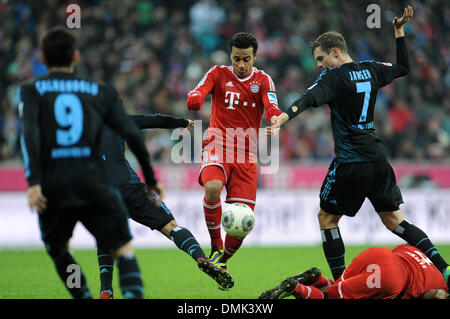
(238, 220)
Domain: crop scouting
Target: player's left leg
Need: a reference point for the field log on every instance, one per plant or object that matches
(185, 241)
(416, 237)
(232, 244)
(145, 212)
(386, 200)
(241, 188)
(70, 272)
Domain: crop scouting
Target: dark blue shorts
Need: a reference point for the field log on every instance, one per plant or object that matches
(142, 210)
(105, 218)
(347, 185)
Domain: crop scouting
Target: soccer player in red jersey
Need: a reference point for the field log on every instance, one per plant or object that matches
(240, 95)
(404, 272)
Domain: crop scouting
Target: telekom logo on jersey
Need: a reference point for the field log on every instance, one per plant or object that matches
(232, 98)
(235, 145)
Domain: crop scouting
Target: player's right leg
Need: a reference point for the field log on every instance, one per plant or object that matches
(107, 222)
(332, 243)
(185, 241)
(287, 287)
(213, 180)
(146, 213)
(241, 188)
(106, 267)
(56, 229)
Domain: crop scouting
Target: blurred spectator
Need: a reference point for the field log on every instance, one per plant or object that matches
(154, 51)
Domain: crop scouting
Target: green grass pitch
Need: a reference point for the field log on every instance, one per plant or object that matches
(167, 273)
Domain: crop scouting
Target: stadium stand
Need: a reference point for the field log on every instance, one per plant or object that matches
(155, 51)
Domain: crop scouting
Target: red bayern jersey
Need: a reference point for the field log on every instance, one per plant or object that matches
(422, 274)
(236, 102)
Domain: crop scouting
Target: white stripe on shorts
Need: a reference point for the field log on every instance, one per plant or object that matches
(236, 199)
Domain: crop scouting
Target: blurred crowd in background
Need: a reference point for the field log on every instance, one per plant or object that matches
(155, 52)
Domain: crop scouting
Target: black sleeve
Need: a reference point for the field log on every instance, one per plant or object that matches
(402, 57)
(137, 146)
(324, 89)
(304, 102)
(388, 72)
(321, 92)
(159, 121)
(119, 121)
(30, 138)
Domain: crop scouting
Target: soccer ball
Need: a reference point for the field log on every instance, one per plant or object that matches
(238, 220)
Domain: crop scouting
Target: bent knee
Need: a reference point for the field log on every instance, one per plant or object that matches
(213, 189)
(57, 251)
(391, 219)
(168, 228)
(327, 220)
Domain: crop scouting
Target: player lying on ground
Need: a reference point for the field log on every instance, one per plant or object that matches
(141, 209)
(240, 95)
(360, 169)
(376, 273)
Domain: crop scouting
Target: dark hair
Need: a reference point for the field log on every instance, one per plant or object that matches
(58, 46)
(329, 40)
(243, 40)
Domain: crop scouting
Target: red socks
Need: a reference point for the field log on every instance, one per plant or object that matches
(313, 291)
(232, 244)
(307, 292)
(213, 215)
(323, 282)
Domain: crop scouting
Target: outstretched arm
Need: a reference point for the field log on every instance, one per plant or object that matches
(159, 121)
(119, 121)
(196, 97)
(317, 94)
(402, 51)
(398, 23)
(300, 105)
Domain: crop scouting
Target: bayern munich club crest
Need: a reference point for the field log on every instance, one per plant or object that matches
(254, 86)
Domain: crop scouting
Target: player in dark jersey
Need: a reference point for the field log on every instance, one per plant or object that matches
(360, 169)
(62, 116)
(122, 177)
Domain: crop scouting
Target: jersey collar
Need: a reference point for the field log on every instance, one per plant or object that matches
(244, 79)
